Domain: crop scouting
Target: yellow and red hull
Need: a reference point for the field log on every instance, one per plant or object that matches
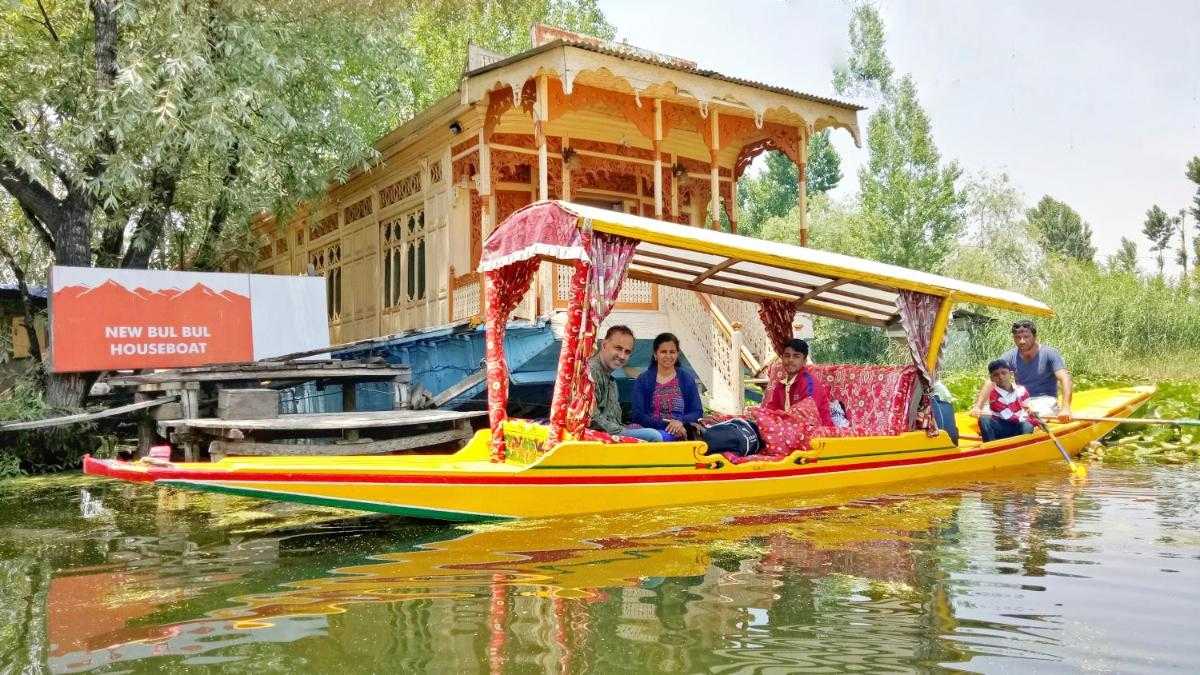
(585, 477)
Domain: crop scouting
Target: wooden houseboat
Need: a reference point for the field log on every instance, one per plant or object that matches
(573, 118)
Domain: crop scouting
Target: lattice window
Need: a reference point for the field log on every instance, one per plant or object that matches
(404, 258)
(435, 173)
(400, 190)
(636, 292)
(323, 227)
(327, 261)
(415, 262)
(633, 291)
(466, 300)
(357, 210)
(281, 246)
(264, 251)
(391, 237)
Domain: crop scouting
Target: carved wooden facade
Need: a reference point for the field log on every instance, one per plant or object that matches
(399, 243)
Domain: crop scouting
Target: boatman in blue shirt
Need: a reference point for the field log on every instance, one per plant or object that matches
(1040, 369)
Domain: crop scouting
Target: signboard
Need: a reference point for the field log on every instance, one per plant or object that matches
(116, 319)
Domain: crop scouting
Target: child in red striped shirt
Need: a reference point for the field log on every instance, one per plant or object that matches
(1007, 412)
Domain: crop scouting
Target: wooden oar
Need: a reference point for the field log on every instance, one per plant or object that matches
(1076, 469)
(1140, 420)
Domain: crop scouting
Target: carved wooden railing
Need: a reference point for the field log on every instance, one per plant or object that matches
(710, 342)
(464, 297)
(759, 352)
(635, 294)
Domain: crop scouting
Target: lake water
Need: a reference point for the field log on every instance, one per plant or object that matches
(1025, 571)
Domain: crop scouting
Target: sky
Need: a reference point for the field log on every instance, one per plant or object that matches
(1094, 103)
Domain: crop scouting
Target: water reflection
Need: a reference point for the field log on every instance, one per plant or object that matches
(1031, 571)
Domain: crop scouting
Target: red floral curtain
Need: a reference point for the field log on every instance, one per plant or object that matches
(918, 313)
(572, 360)
(776, 317)
(503, 290)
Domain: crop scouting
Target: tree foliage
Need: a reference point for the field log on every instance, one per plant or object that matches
(1158, 228)
(146, 132)
(441, 29)
(868, 70)
(1062, 231)
(1193, 174)
(773, 192)
(910, 201)
(994, 246)
(1124, 260)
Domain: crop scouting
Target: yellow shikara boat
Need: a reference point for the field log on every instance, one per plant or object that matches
(518, 469)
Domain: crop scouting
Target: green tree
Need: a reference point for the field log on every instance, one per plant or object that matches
(1124, 260)
(1062, 231)
(993, 247)
(1181, 256)
(911, 203)
(1193, 174)
(868, 70)
(441, 29)
(773, 192)
(1158, 228)
(148, 131)
(911, 206)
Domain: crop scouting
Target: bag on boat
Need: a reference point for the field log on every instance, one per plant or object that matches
(737, 435)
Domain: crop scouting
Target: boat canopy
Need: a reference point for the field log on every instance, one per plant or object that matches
(604, 247)
(718, 263)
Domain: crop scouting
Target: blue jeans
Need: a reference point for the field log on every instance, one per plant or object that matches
(643, 433)
(993, 428)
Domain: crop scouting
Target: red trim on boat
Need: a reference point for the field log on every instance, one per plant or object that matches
(113, 468)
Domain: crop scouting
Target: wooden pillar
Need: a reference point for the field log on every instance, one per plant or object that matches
(566, 171)
(940, 325)
(540, 115)
(349, 397)
(713, 173)
(658, 192)
(733, 204)
(147, 431)
(485, 184)
(736, 340)
(637, 209)
(802, 186)
(674, 188)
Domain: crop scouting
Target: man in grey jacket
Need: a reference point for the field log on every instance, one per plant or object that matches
(614, 352)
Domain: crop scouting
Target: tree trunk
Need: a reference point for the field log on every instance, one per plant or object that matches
(35, 347)
(206, 254)
(68, 390)
(153, 219)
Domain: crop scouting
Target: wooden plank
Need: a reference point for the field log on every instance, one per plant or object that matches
(258, 376)
(326, 421)
(218, 448)
(88, 417)
(459, 387)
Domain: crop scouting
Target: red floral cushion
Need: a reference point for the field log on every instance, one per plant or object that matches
(876, 398)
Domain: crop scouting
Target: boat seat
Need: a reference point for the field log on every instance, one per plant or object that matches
(879, 400)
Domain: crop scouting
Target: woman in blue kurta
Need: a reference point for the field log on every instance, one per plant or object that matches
(666, 397)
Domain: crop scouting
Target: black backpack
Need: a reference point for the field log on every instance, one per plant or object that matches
(738, 435)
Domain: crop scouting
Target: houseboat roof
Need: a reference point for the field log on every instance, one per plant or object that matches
(820, 282)
(633, 54)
